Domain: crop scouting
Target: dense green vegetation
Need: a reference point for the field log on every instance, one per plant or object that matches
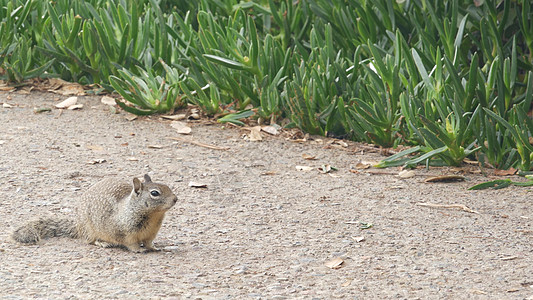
(451, 78)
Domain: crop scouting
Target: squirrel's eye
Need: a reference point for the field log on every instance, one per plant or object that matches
(155, 193)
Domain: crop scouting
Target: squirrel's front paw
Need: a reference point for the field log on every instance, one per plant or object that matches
(150, 247)
(136, 248)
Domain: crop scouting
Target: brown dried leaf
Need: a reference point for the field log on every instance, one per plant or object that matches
(255, 134)
(270, 130)
(334, 263)
(75, 106)
(67, 102)
(181, 127)
(108, 101)
(309, 157)
(59, 86)
(445, 178)
(5, 88)
(340, 142)
(358, 238)
(407, 174)
(448, 206)
(510, 171)
(197, 185)
(155, 146)
(96, 148)
(194, 116)
(347, 282)
(509, 257)
(174, 117)
(304, 168)
(269, 173)
(470, 162)
(361, 166)
(199, 143)
(96, 161)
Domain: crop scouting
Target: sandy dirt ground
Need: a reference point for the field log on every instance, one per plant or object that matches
(262, 229)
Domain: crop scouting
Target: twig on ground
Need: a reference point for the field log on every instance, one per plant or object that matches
(448, 206)
(199, 143)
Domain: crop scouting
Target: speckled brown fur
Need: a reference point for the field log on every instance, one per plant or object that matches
(110, 213)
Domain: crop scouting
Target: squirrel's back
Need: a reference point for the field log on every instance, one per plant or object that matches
(101, 201)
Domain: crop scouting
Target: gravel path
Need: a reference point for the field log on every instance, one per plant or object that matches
(261, 229)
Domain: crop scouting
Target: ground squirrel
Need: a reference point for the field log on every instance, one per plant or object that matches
(111, 213)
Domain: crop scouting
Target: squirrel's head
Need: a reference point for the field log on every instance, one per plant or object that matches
(153, 196)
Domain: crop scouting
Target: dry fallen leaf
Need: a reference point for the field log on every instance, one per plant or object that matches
(194, 116)
(406, 174)
(479, 292)
(361, 166)
(199, 143)
(448, 206)
(7, 105)
(6, 88)
(509, 257)
(334, 263)
(96, 161)
(59, 86)
(97, 148)
(197, 184)
(181, 127)
(269, 173)
(470, 162)
(510, 171)
(309, 157)
(358, 238)
(67, 102)
(155, 146)
(174, 117)
(255, 134)
(341, 143)
(108, 101)
(304, 168)
(347, 282)
(75, 106)
(132, 158)
(445, 178)
(270, 130)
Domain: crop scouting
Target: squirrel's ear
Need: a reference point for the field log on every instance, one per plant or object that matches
(137, 185)
(147, 178)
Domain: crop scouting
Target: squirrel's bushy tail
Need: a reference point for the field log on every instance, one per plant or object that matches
(32, 232)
